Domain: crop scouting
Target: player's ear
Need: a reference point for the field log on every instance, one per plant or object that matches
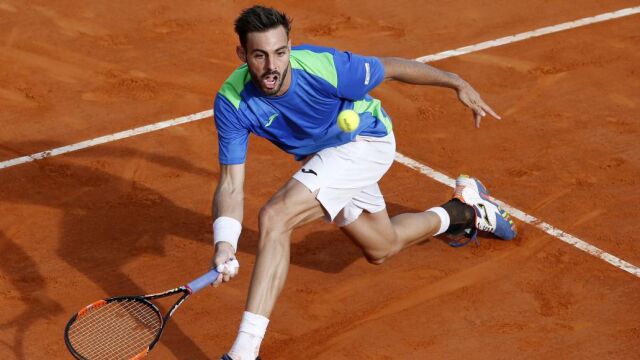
(242, 55)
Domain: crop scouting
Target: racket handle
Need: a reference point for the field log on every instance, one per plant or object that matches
(203, 281)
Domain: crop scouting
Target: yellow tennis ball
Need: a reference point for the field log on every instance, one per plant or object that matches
(348, 120)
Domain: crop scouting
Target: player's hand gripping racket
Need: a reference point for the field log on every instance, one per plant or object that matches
(124, 327)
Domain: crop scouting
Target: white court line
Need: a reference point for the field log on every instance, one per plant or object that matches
(531, 220)
(442, 178)
(531, 34)
(107, 138)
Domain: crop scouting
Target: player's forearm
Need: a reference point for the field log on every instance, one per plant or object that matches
(226, 208)
(415, 72)
(228, 201)
(229, 196)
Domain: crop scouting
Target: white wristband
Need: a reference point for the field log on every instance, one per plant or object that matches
(227, 229)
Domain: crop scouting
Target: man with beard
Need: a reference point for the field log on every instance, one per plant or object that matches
(292, 96)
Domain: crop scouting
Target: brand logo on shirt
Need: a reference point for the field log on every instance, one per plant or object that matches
(271, 118)
(367, 76)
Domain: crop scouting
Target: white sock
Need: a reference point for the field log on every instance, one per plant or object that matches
(252, 330)
(444, 219)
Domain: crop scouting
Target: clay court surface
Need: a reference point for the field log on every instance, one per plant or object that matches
(133, 216)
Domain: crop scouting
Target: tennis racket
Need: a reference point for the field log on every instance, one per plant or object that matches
(124, 327)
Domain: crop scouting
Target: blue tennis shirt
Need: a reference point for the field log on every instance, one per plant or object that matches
(324, 81)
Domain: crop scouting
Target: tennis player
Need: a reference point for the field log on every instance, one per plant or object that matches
(291, 95)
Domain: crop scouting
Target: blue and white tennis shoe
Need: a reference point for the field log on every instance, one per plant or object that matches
(490, 216)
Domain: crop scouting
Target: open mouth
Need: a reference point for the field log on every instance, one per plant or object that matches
(270, 81)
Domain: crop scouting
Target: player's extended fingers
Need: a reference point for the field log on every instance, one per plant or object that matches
(478, 118)
(474, 102)
(488, 109)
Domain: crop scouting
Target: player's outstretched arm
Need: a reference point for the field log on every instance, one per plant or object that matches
(227, 210)
(415, 72)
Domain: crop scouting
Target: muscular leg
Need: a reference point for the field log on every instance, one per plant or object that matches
(292, 206)
(381, 237)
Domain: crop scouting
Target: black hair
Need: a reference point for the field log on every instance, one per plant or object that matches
(259, 19)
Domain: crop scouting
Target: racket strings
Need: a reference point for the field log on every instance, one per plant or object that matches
(117, 330)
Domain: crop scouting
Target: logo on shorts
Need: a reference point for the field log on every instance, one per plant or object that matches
(309, 171)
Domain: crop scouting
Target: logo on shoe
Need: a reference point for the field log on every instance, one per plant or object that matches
(485, 215)
(309, 171)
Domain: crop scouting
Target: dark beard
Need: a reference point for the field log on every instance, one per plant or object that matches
(258, 83)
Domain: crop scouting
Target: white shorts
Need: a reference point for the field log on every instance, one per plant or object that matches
(346, 177)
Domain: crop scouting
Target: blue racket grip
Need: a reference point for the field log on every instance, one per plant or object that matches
(203, 281)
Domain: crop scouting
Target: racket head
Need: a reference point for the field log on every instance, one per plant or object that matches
(124, 327)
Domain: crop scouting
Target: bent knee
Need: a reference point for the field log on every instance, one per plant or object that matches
(377, 258)
(273, 216)
(376, 261)
(382, 251)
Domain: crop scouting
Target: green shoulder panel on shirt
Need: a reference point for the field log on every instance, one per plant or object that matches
(318, 64)
(373, 106)
(234, 85)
